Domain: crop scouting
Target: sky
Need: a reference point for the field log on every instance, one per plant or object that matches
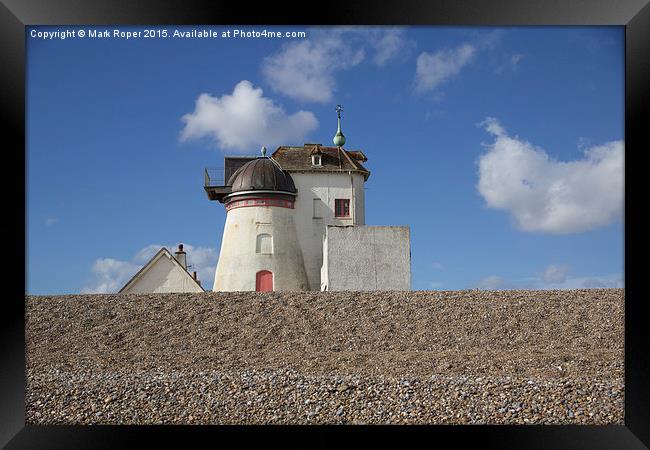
(501, 148)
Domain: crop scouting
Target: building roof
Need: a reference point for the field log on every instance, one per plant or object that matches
(297, 159)
(140, 273)
(261, 174)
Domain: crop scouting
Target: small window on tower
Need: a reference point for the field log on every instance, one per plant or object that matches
(315, 160)
(264, 244)
(342, 207)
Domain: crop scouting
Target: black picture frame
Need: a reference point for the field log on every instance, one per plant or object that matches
(634, 15)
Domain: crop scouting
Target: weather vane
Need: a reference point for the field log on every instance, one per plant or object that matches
(339, 138)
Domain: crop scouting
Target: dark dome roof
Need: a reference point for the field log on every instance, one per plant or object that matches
(261, 174)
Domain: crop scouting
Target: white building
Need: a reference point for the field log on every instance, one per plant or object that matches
(164, 273)
(279, 209)
(330, 183)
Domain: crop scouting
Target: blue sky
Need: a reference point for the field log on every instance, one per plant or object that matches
(502, 149)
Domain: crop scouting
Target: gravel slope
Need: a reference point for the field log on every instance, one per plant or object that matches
(310, 357)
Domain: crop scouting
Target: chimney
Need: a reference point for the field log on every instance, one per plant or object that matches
(180, 256)
(195, 279)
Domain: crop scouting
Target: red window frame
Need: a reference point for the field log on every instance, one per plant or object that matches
(342, 207)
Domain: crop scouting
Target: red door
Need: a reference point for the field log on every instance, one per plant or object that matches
(264, 281)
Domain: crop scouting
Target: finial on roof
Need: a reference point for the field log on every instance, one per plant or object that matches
(263, 150)
(339, 138)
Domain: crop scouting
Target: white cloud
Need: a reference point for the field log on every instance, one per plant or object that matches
(305, 70)
(549, 196)
(434, 69)
(500, 58)
(245, 120)
(609, 281)
(489, 41)
(388, 44)
(51, 221)
(109, 275)
(493, 126)
(554, 277)
(494, 282)
(145, 254)
(555, 274)
(437, 265)
(586, 282)
(203, 260)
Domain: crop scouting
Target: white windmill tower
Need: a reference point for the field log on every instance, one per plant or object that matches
(259, 249)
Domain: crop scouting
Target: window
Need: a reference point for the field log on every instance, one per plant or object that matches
(319, 206)
(342, 207)
(315, 160)
(264, 244)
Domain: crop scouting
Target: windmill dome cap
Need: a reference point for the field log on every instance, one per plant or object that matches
(261, 174)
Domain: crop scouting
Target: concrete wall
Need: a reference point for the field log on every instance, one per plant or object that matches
(270, 230)
(366, 259)
(325, 187)
(163, 276)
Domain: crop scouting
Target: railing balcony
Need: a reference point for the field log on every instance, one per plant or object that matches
(213, 176)
(213, 183)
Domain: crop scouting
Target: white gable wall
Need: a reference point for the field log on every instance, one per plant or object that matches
(311, 230)
(163, 275)
(367, 259)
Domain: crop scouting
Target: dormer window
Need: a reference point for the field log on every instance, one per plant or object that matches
(316, 156)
